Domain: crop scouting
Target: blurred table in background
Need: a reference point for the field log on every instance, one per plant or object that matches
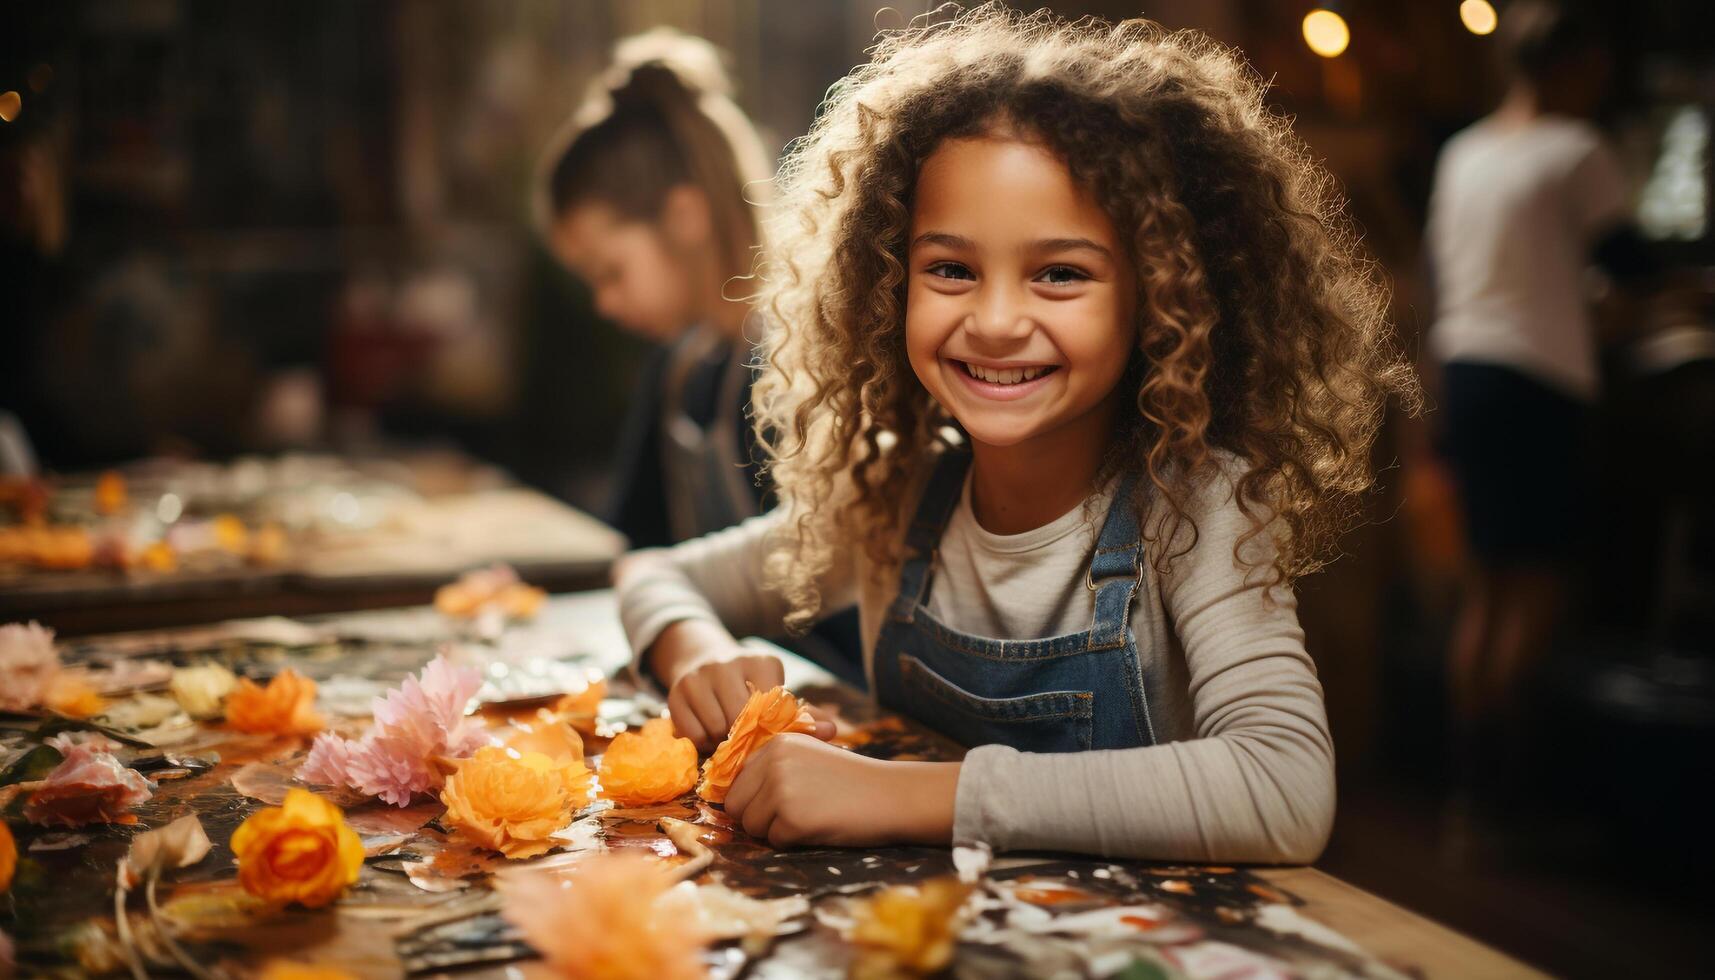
(346, 535)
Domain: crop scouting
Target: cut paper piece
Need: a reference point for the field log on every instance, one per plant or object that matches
(89, 786)
(287, 706)
(726, 914)
(648, 767)
(301, 851)
(512, 803)
(765, 715)
(613, 917)
(420, 722)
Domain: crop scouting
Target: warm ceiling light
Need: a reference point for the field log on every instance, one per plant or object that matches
(1326, 32)
(1478, 16)
(11, 103)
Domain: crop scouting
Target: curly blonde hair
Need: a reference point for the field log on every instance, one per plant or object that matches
(1262, 327)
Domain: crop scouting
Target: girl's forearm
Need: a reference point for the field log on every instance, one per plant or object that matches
(922, 806)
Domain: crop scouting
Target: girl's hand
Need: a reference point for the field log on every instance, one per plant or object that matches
(798, 790)
(709, 677)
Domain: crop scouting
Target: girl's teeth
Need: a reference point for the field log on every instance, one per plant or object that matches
(1004, 376)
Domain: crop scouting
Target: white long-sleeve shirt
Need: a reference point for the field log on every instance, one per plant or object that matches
(1244, 771)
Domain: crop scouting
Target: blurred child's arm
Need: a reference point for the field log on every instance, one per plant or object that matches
(1255, 784)
(681, 607)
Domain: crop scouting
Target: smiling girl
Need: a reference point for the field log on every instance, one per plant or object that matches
(1075, 369)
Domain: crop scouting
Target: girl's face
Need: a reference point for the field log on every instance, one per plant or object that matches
(1020, 301)
(637, 275)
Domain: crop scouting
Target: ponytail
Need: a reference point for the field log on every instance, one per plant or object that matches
(661, 116)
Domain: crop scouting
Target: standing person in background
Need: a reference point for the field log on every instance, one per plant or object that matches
(1523, 202)
(649, 197)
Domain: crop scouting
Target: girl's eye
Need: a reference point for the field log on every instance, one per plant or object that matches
(950, 270)
(1061, 275)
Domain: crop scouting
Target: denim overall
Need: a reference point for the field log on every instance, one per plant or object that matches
(1061, 694)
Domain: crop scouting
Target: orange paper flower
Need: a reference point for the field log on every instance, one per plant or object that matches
(550, 736)
(8, 856)
(496, 587)
(514, 802)
(230, 535)
(72, 696)
(301, 851)
(908, 930)
(648, 767)
(613, 918)
(765, 715)
(580, 708)
(159, 556)
(287, 706)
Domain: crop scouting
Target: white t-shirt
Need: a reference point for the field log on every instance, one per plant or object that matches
(1513, 215)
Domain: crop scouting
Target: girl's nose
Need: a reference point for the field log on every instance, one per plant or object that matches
(1001, 314)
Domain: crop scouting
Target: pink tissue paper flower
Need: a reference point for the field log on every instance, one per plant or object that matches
(89, 786)
(28, 664)
(422, 719)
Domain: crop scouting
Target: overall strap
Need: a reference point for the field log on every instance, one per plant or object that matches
(923, 535)
(1116, 569)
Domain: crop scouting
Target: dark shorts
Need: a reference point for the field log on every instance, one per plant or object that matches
(1518, 448)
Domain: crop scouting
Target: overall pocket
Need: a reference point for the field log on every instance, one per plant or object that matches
(1052, 721)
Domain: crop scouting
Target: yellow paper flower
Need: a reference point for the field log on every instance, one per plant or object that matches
(648, 767)
(72, 696)
(201, 690)
(613, 918)
(550, 736)
(765, 715)
(8, 857)
(514, 803)
(287, 706)
(302, 851)
(908, 930)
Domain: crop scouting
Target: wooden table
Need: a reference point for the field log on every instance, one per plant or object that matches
(430, 543)
(1322, 924)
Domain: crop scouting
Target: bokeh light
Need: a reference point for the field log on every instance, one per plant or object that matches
(1326, 32)
(1478, 16)
(11, 104)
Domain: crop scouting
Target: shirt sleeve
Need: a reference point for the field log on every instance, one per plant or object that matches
(1598, 192)
(717, 577)
(1256, 784)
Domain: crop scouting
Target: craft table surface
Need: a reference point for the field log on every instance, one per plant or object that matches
(549, 543)
(1334, 928)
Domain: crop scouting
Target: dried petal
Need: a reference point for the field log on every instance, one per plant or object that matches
(89, 786)
(179, 844)
(202, 690)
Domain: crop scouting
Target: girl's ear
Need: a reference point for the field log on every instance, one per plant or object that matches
(686, 221)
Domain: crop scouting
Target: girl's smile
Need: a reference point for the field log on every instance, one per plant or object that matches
(1002, 381)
